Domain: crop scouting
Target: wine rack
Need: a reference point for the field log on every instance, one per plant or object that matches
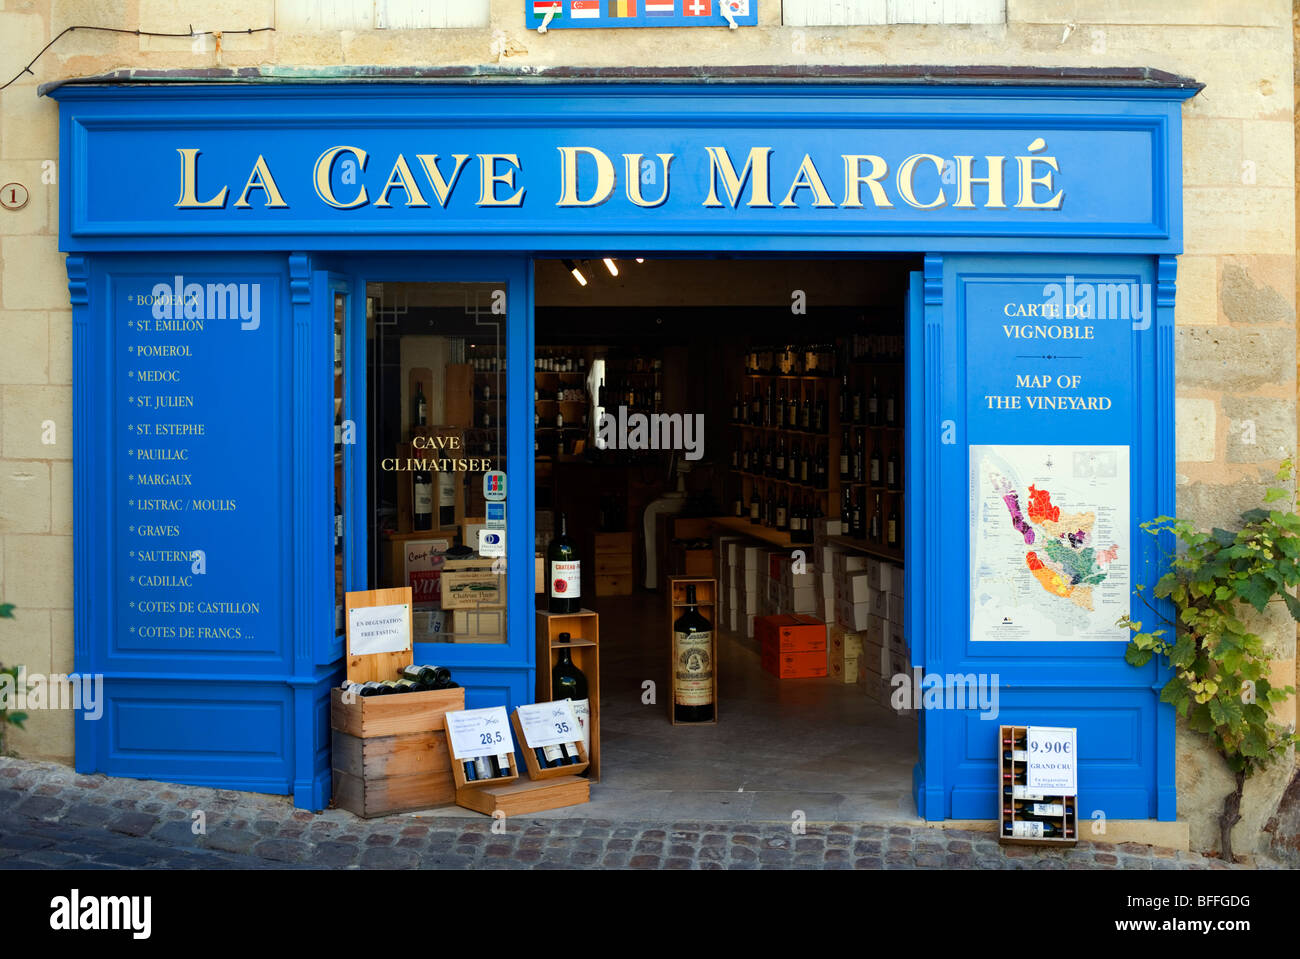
(843, 419)
(583, 628)
(536, 771)
(1029, 818)
(560, 402)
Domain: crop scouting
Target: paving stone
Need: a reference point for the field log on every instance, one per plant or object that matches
(133, 823)
(40, 807)
(644, 862)
(282, 850)
(389, 857)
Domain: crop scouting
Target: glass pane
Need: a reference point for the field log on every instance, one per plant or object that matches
(437, 425)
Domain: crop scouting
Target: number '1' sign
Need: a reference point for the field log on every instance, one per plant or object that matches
(479, 732)
(1052, 758)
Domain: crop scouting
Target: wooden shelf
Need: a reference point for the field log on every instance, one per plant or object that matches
(740, 524)
(865, 546)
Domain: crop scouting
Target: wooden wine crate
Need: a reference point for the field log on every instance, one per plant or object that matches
(1070, 819)
(535, 770)
(526, 796)
(583, 628)
(706, 601)
(462, 784)
(615, 564)
(389, 753)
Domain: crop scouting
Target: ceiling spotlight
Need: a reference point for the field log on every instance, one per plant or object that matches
(609, 265)
(577, 273)
(640, 259)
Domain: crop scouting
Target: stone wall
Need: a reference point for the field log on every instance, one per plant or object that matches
(1237, 284)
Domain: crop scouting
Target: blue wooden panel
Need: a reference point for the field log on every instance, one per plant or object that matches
(1079, 168)
(1125, 734)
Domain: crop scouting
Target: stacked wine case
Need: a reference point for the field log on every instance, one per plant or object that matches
(1025, 817)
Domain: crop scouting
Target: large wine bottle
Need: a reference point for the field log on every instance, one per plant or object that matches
(563, 573)
(693, 664)
(567, 680)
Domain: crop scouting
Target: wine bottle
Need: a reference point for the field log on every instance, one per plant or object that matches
(1016, 756)
(471, 770)
(409, 685)
(1044, 809)
(873, 405)
(446, 498)
(422, 510)
(692, 664)
(421, 406)
(891, 535)
(554, 756)
(503, 765)
(875, 465)
(567, 680)
(875, 521)
(571, 754)
(1022, 792)
(782, 512)
(844, 455)
(891, 470)
(564, 572)
(426, 675)
(483, 767)
(755, 507)
(1034, 829)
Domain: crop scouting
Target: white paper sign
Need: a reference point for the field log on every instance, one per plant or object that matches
(582, 709)
(1052, 758)
(480, 732)
(549, 724)
(379, 629)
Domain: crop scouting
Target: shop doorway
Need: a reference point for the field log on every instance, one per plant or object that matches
(784, 381)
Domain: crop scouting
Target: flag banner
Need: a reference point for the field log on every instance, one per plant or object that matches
(622, 14)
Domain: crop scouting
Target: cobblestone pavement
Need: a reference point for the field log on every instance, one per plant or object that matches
(53, 817)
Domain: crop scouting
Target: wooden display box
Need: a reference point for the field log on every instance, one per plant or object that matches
(535, 771)
(521, 798)
(1006, 804)
(389, 753)
(457, 770)
(706, 601)
(583, 628)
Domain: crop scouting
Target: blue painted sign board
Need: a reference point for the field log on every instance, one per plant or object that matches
(209, 228)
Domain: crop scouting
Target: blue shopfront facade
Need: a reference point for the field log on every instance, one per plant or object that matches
(211, 229)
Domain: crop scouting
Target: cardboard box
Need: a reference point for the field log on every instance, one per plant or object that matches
(845, 643)
(876, 572)
(805, 665)
(895, 578)
(895, 641)
(842, 669)
(880, 604)
(755, 557)
(471, 583)
(876, 630)
(852, 616)
(827, 527)
(894, 607)
(844, 563)
(792, 633)
(854, 588)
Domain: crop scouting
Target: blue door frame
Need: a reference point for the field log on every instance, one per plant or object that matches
(181, 181)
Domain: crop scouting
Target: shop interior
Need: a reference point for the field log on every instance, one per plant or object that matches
(786, 380)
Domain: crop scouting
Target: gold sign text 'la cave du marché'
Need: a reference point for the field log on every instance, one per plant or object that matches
(858, 179)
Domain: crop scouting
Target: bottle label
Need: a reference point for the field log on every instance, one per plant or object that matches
(424, 498)
(875, 471)
(1047, 809)
(1028, 829)
(1022, 792)
(893, 530)
(446, 488)
(1019, 756)
(566, 579)
(693, 664)
(890, 472)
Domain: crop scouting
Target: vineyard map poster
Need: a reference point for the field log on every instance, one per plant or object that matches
(1050, 550)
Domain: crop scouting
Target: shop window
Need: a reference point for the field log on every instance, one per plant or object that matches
(437, 406)
(852, 13)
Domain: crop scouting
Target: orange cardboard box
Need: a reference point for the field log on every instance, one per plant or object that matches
(791, 633)
(807, 665)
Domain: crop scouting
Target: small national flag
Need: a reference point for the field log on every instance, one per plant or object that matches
(622, 8)
(542, 7)
(737, 8)
(658, 8)
(584, 9)
(697, 8)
